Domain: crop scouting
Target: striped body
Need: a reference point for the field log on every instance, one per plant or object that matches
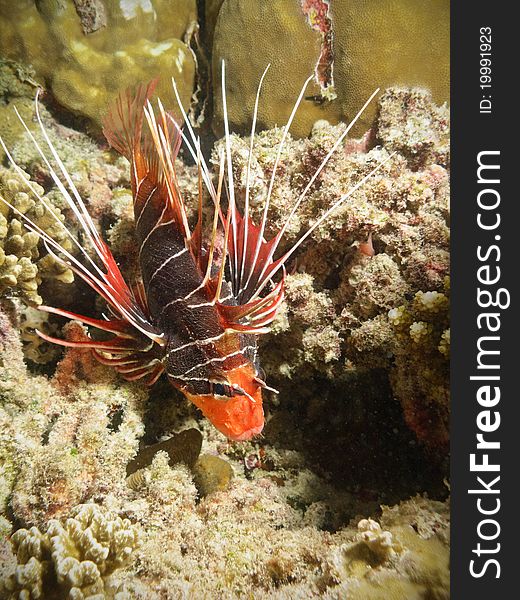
(198, 350)
(191, 317)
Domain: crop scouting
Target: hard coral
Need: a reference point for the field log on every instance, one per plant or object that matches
(87, 60)
(83, 441)
(409, 124)
(23, 264)
(338, 304)
(73, 558)
(351, 47)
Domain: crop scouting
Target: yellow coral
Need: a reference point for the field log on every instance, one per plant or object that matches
(139, 41)
(378, 43)
(22, 266)
(419, 331)
(212, 474)
(444, 344)
(77, 554)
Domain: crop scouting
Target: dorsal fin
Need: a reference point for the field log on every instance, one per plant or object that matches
(151, 144)
(123, 123)
(248, 255)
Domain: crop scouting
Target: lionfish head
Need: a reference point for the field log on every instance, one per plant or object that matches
(235, 407)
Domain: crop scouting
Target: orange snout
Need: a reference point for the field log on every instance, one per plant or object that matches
(239, 418)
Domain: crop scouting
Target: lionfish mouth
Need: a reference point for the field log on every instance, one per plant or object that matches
(247, 435)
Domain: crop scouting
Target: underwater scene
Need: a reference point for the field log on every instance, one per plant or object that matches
(224, 299)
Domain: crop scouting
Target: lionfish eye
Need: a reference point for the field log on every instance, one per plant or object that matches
(220, 389)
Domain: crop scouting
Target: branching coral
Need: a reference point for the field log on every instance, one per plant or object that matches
(22, 264)
(77, 555)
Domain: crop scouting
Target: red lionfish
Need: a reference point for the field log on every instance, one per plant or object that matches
(190, 316)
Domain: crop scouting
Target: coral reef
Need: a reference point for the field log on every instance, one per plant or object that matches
(339, 319)
(421, 374)
(374, 45)
(104, 492)
(25, 266)
(249, 541)
(76, 556)
(277, 530)
(22, 266)
(86, 57)
(78, 432)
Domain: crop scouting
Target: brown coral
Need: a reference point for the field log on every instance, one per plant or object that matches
(85, 71)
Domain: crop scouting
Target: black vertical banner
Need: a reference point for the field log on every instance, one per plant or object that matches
(485, 328)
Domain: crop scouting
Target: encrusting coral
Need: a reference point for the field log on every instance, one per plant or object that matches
(351, 47)
(75, 557)
(86, 61)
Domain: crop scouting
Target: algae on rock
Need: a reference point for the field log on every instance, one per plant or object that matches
(61, 443)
